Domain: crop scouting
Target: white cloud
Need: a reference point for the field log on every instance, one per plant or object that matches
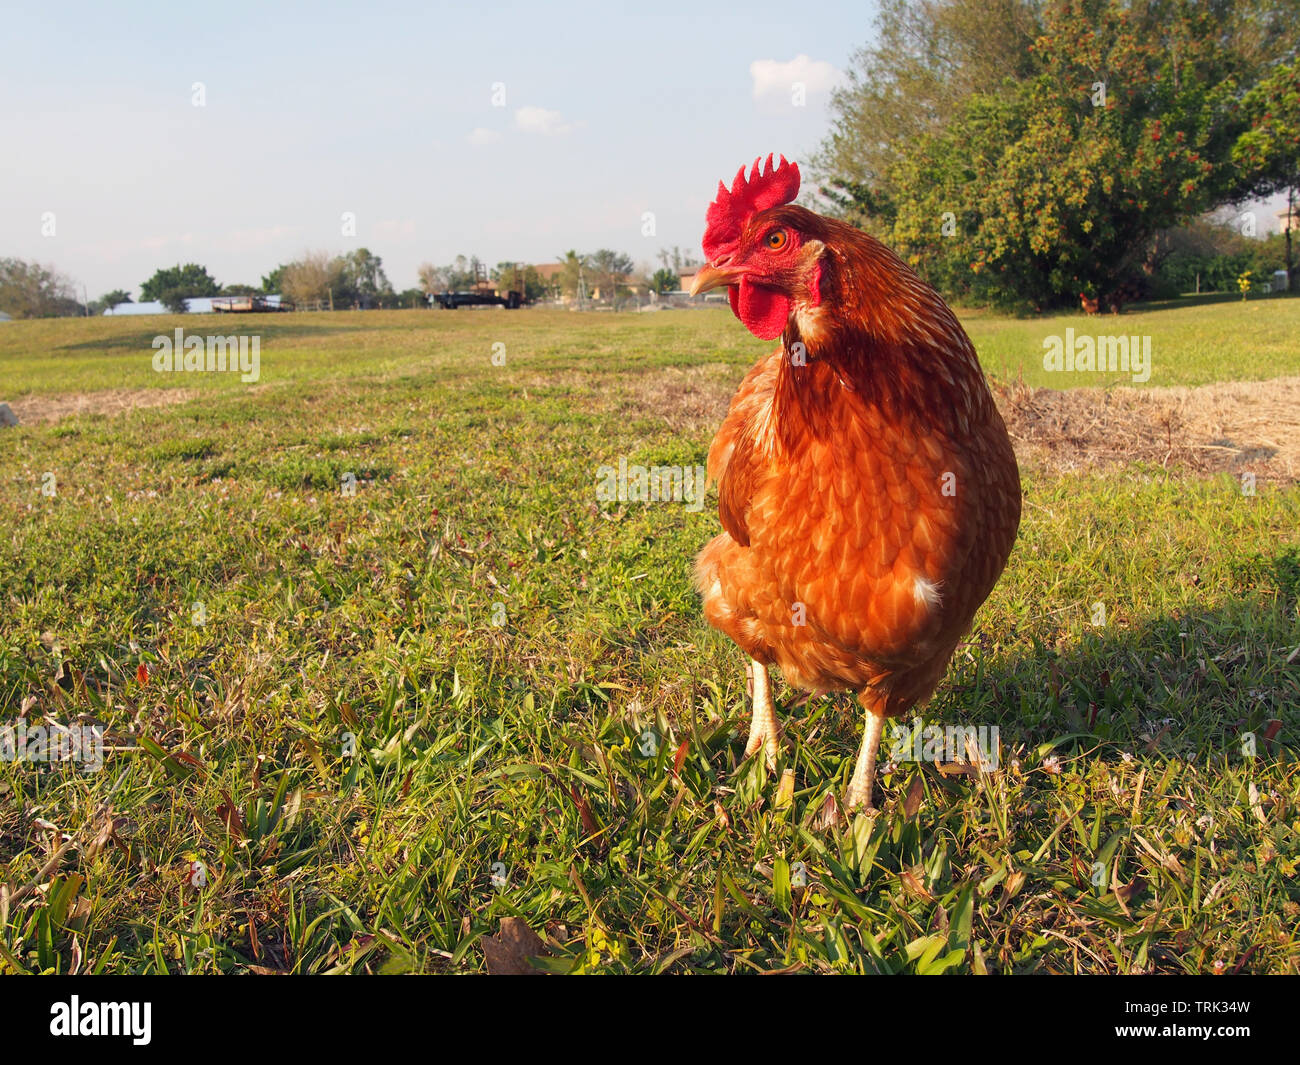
(540, 120)
(775, 82)
(482, 136)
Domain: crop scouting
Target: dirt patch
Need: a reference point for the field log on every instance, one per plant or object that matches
(1234, 427)
(691, 399)
(113, 401)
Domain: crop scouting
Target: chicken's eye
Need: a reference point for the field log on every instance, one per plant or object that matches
(776, 239)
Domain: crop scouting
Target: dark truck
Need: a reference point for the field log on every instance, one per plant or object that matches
(451, 300)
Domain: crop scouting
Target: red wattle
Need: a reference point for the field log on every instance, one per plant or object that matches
(764, 311)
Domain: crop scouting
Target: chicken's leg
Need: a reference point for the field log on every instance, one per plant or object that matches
(864, 773)
(764, 730)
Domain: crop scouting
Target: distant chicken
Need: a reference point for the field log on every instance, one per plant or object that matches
(866, 483)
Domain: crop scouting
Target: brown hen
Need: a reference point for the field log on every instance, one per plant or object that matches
(867, 486)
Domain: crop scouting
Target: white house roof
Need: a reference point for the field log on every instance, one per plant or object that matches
(193, 305)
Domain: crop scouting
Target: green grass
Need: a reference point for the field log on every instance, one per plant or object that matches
(1193, 342)
(331, 721)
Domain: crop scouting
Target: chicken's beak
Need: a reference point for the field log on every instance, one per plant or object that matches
(711, 277)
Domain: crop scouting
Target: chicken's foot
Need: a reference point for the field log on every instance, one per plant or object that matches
(864, 773)
(764, 729)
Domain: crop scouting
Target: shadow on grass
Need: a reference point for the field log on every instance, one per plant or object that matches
(1202, 299)
(211, 325)
(1181, 302)
(1190, 686)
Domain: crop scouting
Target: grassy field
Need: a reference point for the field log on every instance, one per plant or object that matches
(1213, 339)
(353, 731)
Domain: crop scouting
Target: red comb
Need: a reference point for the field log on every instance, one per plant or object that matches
(765, 187)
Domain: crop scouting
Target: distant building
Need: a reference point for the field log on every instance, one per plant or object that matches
(4, 317)
(550, 273)
(624, 283)
(193, 305)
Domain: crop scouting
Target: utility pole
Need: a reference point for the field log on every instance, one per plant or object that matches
(1287, 227)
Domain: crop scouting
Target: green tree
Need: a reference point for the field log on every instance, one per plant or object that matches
(410, 297)
(459, 275)
(521, 278)
(174, 300)
(1055, 182)
(665, 280)
(189, 280)
(927, 59)
(363, 278)
(574, 281)
(611, 270)
(1209, 257)
(273, 283)
(30, 290)
(113, 298)
(1269, 152)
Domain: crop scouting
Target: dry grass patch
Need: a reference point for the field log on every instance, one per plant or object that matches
(33, 409)
(1234, 427)
(1231, 427)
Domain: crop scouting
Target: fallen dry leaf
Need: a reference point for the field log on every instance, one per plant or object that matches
(589, 825)
(1125, 893)
(507, 952)
(230, 816)
(915, 795)
(1014, 882)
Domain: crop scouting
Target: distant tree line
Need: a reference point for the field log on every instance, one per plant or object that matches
(604, 270)
(1207, 257)
(465, 272)
(354, 280)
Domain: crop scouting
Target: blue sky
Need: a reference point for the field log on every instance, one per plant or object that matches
(385, 110)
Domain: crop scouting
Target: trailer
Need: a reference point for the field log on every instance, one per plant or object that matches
(450, 301)
(249, 304)
(484, 293)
